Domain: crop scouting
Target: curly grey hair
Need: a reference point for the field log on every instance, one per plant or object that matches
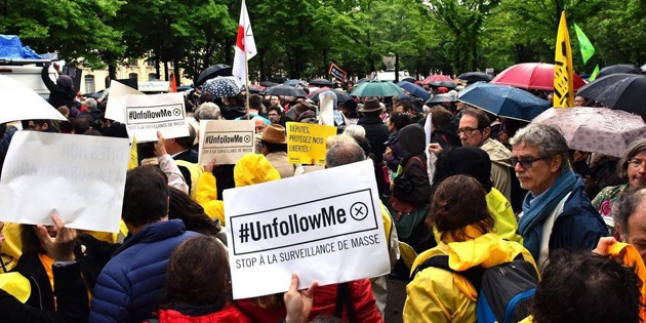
(548, 139)
(208, 111)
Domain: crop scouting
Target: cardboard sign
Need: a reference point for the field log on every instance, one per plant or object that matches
(79, 178)
(146, 114)
(76, 75)
(226, 140)
(329, 230)
(306, 143)
(114, 109)
(337, 72)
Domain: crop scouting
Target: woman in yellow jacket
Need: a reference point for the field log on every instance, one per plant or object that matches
(459, 212)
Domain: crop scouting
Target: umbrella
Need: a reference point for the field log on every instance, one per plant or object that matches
(504, 101)
(619, 69)
(296, 83)
(597, 130)
(254, 89)
(19, 102)
(268, 84)
(321, 83)
(415, 90)
(377, 88)
(341, 96)
(408, 79)
(532, 76)
(446, 84)
(362, 80)
(285, 90)
(441, 98)
(213, 71)
(473, 77)
(619, 91)
(221, 87)
(436, 78)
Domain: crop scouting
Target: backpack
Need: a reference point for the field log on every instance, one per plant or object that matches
(504, 291)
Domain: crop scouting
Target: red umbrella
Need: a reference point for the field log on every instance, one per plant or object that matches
(532, 76)
(437, 78)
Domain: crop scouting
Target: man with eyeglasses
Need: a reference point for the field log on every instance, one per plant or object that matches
(475, 131)
(557, 214)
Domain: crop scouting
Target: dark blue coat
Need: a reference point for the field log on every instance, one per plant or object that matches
(129, 287)
(579, 227)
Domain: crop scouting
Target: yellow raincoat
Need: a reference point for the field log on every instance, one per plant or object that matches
(436, 295)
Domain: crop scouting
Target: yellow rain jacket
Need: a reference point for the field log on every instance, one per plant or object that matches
(436, 295)
(207, 197)
(505, 222)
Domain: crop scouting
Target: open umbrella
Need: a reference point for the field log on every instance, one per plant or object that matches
(436, 78)
(341, 96)
(441, 98)
(321, 83)
(414, 89)
(268, 83)
(409, 79)
(377, 88)
(473, 77)
(213, 71)
(221, 87)
(285, 90)
(532, 76)
(597, 130)
(19, 102)
(446, 84)
(296, 83)
(619, 91)
(504, 101)
(619, 69)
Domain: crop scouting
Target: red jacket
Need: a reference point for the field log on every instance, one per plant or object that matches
(229, 314)
(365, 308)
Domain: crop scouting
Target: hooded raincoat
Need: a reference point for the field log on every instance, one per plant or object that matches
(436, 295)
(411, 141)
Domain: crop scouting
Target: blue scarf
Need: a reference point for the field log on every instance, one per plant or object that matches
(535, 214)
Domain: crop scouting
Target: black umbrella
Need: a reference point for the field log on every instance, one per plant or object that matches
(618, 91)
(473, 77)
(446, 84)
(268, 84)
(321, 83)
(619, 69)
(408, 79)
(285, 90)
(341, 96)
(213, 71)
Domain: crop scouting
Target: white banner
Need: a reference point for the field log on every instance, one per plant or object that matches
(325, 226)
(79, 178)
(226, 140)
(147, 114)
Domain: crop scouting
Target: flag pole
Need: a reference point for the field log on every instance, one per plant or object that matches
(246, 78)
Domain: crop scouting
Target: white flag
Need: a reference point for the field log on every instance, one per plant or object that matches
(244, 43)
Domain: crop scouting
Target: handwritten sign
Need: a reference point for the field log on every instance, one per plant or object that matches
(306, 143)
(331, 232)
(226, 140)
(146, 114)
(79, 178)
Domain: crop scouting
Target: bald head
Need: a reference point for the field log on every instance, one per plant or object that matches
(344, 153)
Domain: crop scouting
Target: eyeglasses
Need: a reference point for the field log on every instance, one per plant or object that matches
(467, 131)
(636, 163)
(525, 163)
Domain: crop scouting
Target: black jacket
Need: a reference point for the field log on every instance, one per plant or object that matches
(71, 297)
(58, 95)
(446, 136)
(377, 135)
(417, 190)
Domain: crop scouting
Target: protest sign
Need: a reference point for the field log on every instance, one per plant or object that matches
(23, 103)
(114, 109)
(329, 230)
(146, 114)
(79, 178)
(306, 143)
(337, 72)
(75, 74)
(226, 140)
(326, 104)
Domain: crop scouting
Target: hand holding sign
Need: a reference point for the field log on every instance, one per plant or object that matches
(299, 302)
(160, 146)
(61, 247)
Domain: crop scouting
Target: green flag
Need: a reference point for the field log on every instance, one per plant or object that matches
(587, 50)
(593, 76)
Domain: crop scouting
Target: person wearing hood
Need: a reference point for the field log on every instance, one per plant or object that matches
(475, 131)
(392, 155)
(411, 187)
(233, 107)
(476, 163)
(557, 213)
(443, 131)
(60, 93)
(459, 212)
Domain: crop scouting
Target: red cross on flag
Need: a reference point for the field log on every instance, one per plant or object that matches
(245, 44)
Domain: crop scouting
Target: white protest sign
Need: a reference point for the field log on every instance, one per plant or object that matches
(325, 226)
(147, 114)
(226, 140)
(79, 178)
(114, 109)
(326, 102)
(19, 102)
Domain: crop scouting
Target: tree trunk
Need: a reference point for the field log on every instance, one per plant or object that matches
(396, 67)
(157, 65)
(261, 61)
(112, 72)
(176, 71)
(166, 70)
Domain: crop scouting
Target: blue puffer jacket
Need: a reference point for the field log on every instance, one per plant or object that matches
(130, 285)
